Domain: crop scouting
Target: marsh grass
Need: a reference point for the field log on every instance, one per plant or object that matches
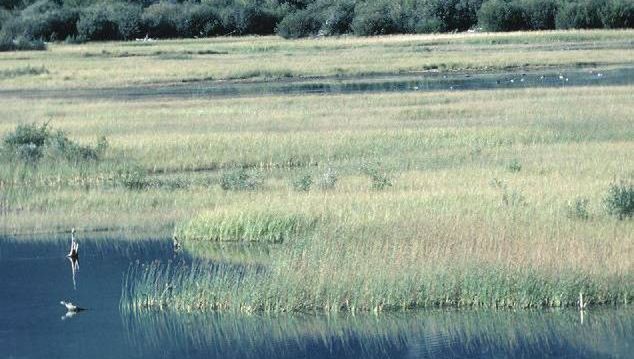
(443, 233)
(268, 225)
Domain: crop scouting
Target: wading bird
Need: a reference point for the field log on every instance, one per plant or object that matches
(74, 246)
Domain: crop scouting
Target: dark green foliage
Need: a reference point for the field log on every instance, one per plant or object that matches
(501, 15)
(579, 208)
(303, 183)
(618, 14)
(51, 20)
(240, 180)
(514, 166)
(619, 201)
(200, 20)
(378, 176)
(27, 142)
(338, 18)
(45, 20)
(376, 18)
(162, 20)
(585, 14)
(301, 23)
(539, 14)
(30, 143)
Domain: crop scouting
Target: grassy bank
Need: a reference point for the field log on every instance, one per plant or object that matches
(114, 64)
(347, 202)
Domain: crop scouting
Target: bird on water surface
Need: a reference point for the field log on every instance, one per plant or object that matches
(71, 307)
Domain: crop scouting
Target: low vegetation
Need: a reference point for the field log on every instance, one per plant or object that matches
(501, 198)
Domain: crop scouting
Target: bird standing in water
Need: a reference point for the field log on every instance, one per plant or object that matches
(74, 246)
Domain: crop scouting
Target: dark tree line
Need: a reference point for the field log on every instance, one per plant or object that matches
(88, 20)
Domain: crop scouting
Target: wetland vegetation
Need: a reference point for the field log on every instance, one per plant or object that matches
(501, 197)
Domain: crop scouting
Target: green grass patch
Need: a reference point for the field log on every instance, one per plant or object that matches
(268, 226)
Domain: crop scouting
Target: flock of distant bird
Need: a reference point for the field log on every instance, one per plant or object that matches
(561, 77)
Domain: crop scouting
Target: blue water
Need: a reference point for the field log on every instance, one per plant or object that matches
(35, 276)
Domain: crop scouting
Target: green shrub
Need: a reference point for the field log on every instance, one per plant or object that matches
(200, 20)
(29, 143)
(585, 14)
(501, 15)
(250, 17)
(104, 21)
(539, 14)
(300, 23)
(302, 183)
(45, 20)
(378, 176)
(619, 201)
(514, 166)
(376, 18)
(578, 208)
(240, 180)
(338, 18)
(618, 14)
(162, 19)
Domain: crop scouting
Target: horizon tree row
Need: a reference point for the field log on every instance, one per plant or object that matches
(93, 20)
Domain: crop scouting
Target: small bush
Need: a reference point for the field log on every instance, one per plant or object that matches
(302, 183)
(619, 201)
(29, 143)
(500, 15)
(378, 176)
(240, 180)
(514, 166)
(578, 208)
(328, 180)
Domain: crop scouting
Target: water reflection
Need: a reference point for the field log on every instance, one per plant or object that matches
(74, 268)
(425, 334)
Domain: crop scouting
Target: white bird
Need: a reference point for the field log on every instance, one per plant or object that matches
(71, 307)
(74, 246)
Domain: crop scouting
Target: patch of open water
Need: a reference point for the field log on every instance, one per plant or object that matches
(406, 82)
(36, 275)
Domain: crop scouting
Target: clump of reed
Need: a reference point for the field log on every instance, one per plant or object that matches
(260, 225)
